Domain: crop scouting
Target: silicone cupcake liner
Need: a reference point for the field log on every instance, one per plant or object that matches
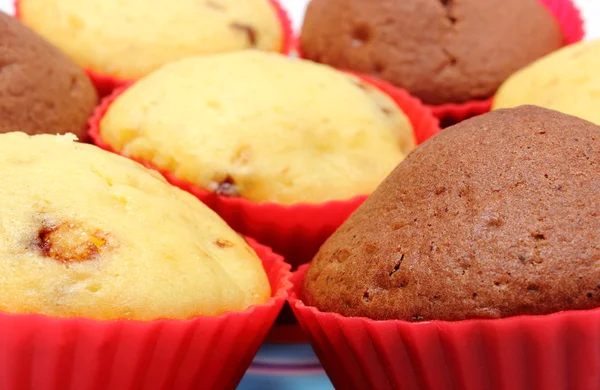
(286, 329)
(105, 84)
(295, 231)
(572, 25)
(453, 113)
(559, 351)
(40, 352)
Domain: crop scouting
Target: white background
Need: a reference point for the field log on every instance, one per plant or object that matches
(590, 9)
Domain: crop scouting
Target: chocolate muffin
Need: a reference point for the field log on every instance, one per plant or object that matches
(442, 51)
(41, 90)
(495, 217)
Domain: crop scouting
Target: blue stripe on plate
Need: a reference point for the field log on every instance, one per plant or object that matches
(285, 367)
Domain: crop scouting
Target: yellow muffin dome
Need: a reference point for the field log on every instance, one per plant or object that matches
(261, 126)
(567, 81)
(89, 233)
(129, 39)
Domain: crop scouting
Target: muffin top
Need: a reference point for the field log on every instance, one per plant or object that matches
(41, 90)
(440, 51)
(261, 126)
(494, 217)
(567, 81)
(129, 39)
(89, 233)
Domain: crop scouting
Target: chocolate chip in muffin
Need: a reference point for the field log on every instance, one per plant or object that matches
(214, 5)
(222, 243)
(248, 30)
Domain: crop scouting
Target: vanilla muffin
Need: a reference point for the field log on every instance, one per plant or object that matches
(41, 89)
(89, 233)
(566, 81)
(261, 126)
(129, 39)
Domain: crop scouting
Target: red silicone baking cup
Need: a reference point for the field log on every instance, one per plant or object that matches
(572, 26)
(559, 351)
(295, 231)
(40, 352)
(105, 84)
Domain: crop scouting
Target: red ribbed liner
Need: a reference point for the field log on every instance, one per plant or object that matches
(40, 352)
(559, 351)
(295, 231)
(453, 113)
(105, 84)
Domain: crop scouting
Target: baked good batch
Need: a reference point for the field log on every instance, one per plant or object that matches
(41, 90)
(443, 52)
(463, 259)
(567, 81)
(262, 139)
(128, 40)
(495, 217)
(90, 236)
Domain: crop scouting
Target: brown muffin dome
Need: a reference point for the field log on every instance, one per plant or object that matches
(440, 50)
(497, 216)
(41, 90)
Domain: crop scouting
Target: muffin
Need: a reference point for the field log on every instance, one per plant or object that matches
(486, 237)
(490, 219)
(128, 40)
(443, 52)
(566, 81)
(262, 127)
(41, 90)
(107, 269)
(283, 149)
(89, 252)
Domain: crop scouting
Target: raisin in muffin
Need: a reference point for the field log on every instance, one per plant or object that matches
(41, 90)
(131, 39)
(261, 126)
(440, 51)
(567, 81)
(495, 217)
(88, 233)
